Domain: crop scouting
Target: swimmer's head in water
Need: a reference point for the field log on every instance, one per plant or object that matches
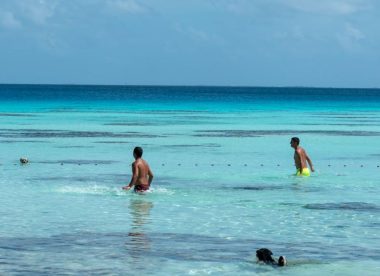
(137, 152)
(295, 141)
(281, 261)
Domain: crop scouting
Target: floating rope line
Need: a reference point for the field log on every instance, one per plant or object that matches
(210, 164)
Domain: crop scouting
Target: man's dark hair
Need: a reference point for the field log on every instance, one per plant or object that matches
(138, 151)
(296, 140)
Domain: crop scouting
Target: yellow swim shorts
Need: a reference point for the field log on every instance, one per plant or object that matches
(305, 172)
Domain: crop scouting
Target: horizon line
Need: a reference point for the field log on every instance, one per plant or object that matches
(189, 85)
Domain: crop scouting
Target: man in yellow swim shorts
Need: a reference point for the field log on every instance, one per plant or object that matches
(300, 158)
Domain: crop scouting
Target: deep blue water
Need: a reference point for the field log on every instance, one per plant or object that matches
(233, 95)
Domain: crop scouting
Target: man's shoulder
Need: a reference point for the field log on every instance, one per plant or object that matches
(139, 162)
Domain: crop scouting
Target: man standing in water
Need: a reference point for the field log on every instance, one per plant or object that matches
(142, 176)
(300, 158)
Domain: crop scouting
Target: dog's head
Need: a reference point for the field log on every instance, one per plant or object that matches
(281, 261)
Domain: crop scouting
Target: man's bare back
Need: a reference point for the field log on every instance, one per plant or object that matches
(300, 158)
(142, 176)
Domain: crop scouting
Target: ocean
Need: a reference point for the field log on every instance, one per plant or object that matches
(224, 181)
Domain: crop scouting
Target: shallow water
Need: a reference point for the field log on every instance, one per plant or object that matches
(223, 187)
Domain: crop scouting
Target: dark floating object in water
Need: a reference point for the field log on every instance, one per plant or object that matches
(356, 206)
(196, 164)
(212, 165)
(179, 164)
(262, 165)
(344, 165)
(163, 165)
(265, 255)
(329, 165)
(278, 165)
(245, 165)
(24, 160)
(361, 166)
(229, 165)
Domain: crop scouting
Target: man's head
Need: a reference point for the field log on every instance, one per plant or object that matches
(137, 152)
(294, 142)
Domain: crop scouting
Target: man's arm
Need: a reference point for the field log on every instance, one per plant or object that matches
(309, 161)
(150, 176)
(134, 177)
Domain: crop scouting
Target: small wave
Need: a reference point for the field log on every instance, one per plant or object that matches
(160, 190)
(105, 190)
(92, 190)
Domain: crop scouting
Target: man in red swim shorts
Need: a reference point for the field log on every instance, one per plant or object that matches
(142, 176)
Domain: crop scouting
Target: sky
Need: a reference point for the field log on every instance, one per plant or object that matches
(318, 43)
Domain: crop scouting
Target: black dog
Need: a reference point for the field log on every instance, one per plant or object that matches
(265, 255)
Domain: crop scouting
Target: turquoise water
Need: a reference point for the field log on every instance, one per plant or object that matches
(223, 186)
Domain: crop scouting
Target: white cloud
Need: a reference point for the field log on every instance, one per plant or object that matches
(126, 6)
(354, 33)
(8, 20)
(192, 32)
(351, 38)
(38, 11)
(340, 7)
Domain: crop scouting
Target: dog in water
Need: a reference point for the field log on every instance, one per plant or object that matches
(265, 255)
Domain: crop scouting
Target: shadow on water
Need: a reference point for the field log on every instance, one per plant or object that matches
(259, 188)
(144, 251)
(138, 243)
(353, 206)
